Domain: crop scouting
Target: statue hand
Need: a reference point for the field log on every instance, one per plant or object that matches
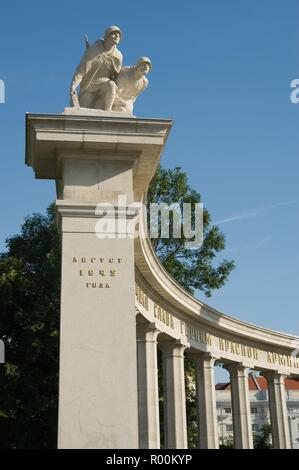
(73, 91)
(74, 101)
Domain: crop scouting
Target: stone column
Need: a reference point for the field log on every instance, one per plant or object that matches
(278, 410)
(240, 406)
(148, 392)
(206, 401)
(175, 420)
(2, 352)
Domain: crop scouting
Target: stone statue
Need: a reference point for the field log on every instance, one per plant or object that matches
(100, 64)
(130, 82)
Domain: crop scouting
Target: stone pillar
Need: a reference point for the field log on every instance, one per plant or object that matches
(278, 410)
(98, 403)
(206, 401)
(175, 420)
(148, 392)
(240, 406)
(100, 164)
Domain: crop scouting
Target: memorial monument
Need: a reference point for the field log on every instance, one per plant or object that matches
(118, 305)
(104, 84)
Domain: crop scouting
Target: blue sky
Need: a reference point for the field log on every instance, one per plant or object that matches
(222, 70)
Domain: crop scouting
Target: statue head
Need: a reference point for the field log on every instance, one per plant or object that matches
(143, 65)
(113, 34)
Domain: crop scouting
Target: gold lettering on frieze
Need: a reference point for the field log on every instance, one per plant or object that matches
(282, 359)
(199, 335)
(141, 297)
(238, 349)
(269, 357)
(164, 316)
(75, 260)
(255, 353)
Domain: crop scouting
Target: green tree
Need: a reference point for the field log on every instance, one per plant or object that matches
(29, 306)
(263, 438)
(191, 268)
(191, 408)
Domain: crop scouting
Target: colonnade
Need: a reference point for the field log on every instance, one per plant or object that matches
(175, 422)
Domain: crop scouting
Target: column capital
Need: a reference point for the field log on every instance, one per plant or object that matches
(147, 332)
(175, 347)
(207, 357)
(274, 375)
(236, 367)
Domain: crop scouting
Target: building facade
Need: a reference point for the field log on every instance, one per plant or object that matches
(259, 408)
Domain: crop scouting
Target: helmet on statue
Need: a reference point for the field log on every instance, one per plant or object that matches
(112, 29)
(144, 60)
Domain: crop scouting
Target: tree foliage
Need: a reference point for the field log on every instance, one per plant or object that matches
(29, 320)
(191, 268)
(263, 438)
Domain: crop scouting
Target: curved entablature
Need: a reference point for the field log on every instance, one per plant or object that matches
(179, 315)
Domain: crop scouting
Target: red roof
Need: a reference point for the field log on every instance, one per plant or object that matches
(258, 382)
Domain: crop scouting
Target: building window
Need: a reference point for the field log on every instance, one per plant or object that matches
(227, 411)
(294, 410)
(229, 428)
(255, 427)
(253, 410)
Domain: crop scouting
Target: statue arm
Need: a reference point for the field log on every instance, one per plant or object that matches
(77, 79)
(116, 64)
(81, 69)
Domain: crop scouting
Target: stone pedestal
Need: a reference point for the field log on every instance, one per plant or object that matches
(94, 160)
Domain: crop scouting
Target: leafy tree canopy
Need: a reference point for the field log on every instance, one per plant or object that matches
(29, 320)
(191, 268)
(263, 438)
